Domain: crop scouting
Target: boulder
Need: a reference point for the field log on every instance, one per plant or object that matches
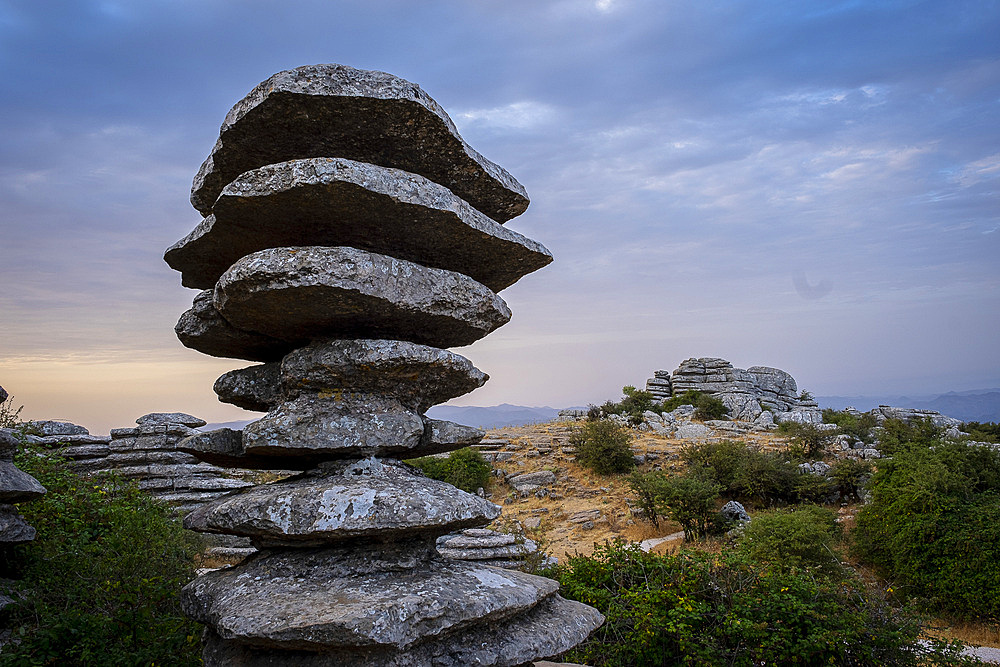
(253, 388)
(338, 111)
(10, 441)
(154, 418)
(418, 376)
(203, 328)
(48, 428)
(340, 501)
(13, 528)
(734, 512)
(17, 486)
(336, 202)
(300, 294)
(335, 426)
(366, 598)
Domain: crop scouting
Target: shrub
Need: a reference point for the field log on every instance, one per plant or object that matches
(896, 433)
(634, 403)
(803, 537)
(9, 415)
(464, 468)
(706, 406)
(744, 472)
(860, 426)
(931, 524)
(603, 446)
(100, 583)
(851, 476)
(806, 441)
(687, 499)
(982, 432)
(695, 608)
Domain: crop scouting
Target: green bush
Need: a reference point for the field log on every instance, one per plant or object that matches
(634, 403)
(803, 537)
(931, 525)
(705, 406)
(464, 468)
(851, 476)
(100, 583)
(687, 499)
(982, 431)
(603, 446)
(806, 440)
(896, 434)
(743, 472)
(701, 609)
(861, 426)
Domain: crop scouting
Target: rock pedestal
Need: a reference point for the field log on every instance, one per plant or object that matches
(16, 486)
(349, 235)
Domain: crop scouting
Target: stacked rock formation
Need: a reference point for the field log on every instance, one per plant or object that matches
(349, 235)
(70, 441)
(491, 547)
(746, 393)
(16, 486)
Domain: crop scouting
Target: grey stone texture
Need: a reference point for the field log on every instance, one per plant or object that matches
(303, 293)
(419, 376)
(13, 528)
(203, 328)
(170, 418)
(49, 427)
(17, 486)
(337, 202)
(745, 393)
(350, 234)
(370, 498)
(337, 111)
(252, 388)
(3, 395)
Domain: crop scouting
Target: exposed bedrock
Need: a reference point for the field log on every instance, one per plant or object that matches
(203, 328)
(338, 111)
(370, 498)
(338, 202)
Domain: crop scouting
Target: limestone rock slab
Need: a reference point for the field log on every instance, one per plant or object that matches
(335, 425)
(337, 202)
(13, 528)
(17, 486)
(181, 418)
(253, 388)
(10, 441)
(202, 328)
(419, 376)
(51, 427)
(551, 628)
(224, 447)
(315, 600)
(443, 436)
(344, 500)
(337, 111)
(303, 293)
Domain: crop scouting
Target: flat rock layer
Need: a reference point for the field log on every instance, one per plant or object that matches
(321, 599)
(337, 111)
(337, 425)
(203, 328)
(252, 388)
(13, 528)
(304, 293)
(17, 486)
(552, 627)
(367, 498)
(418, 376)
(338, 202)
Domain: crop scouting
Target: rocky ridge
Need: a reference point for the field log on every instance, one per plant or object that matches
(746, 393)
(347, 276)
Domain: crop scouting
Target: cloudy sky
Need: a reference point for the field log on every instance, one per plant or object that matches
(808, 185)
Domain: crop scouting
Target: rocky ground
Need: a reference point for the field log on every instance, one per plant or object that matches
(573, 508)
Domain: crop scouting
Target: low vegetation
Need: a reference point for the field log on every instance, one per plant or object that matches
(697, 608)
(100, 583)
(603, 446)
(635, 402)
(464, 468)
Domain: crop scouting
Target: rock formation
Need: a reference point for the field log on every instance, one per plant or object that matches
(16, 486)
(349, 235)
(746, 393)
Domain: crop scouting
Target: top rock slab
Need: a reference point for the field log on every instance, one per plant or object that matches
(339, 111)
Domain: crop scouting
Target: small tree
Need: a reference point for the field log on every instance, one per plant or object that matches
(464, 468)
(688, 499)
(603, 446)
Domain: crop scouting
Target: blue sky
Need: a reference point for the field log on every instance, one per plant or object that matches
(808, 185)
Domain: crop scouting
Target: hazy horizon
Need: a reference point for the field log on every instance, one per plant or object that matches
(809, 188)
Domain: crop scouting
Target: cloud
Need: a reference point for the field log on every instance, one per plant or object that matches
(524, 115)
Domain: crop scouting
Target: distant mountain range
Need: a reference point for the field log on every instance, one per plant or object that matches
(981, 405)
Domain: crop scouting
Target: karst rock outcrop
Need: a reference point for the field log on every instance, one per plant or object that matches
(746, 393)
(350, 234)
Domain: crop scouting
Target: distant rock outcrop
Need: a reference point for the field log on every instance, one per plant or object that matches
(746, 393)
